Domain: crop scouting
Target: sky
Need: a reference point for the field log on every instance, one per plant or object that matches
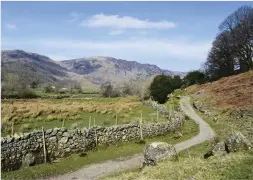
(172, 35)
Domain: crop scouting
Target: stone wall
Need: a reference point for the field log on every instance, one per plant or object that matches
(61, 142)
(160, 107)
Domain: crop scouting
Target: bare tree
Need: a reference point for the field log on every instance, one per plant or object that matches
(232, 49)
(240, 26)
(107, 89)
(220, 60)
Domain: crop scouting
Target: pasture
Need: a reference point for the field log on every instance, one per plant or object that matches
(25, 115)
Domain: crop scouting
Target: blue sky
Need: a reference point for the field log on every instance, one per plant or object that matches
(173, 35)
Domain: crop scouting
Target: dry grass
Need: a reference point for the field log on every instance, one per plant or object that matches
(229, 92)
(16, 110)
(51, 112)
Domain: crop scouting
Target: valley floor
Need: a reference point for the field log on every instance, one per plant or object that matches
(97, 170)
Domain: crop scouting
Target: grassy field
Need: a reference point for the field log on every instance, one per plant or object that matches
(75, 162)
(74, 92)
(235, 166)
(35, 113)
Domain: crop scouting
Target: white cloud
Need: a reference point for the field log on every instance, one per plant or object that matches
(125, 22)
(116, 32)
(11, 26)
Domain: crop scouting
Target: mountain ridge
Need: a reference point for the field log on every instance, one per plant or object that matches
(90, 71)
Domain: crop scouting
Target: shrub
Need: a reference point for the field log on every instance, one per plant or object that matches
(48, 89)
(194, 77)
(21, 94)
(33, 84)
(26, 93)
(108, 90)
(160, 88)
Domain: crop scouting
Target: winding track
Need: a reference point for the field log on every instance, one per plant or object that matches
(94, 171)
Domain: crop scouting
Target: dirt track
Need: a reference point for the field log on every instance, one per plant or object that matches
(94, 171)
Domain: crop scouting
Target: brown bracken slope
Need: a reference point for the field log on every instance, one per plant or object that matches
(229, 92)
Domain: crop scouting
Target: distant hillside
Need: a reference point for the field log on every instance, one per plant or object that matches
(31, 66)
(89, 72)
(102, 69)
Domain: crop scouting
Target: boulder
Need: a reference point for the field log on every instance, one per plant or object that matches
(237, 141)
(218, 149)
(28, 160)
(157, 151)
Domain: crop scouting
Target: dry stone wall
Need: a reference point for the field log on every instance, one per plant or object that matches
(60, 142)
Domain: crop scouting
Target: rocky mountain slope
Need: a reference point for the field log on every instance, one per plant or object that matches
(31, 66)
(89, 72)
(102, 69)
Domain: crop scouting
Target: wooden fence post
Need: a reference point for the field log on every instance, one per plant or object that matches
(96, 138)
(116, 119)
(12, 129)
(157, 115)
(89, 122)
(63, 123)
(141, 127)
(44, 146)
(94, 122)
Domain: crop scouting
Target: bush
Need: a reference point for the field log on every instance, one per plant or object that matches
(48, 89)
(34, 84)
(144, 94)
(26, 93)
(21, 94)
(163, 85)
(108, 90)
(194, 77)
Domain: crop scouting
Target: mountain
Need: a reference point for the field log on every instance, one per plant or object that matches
(31, 66)
(89, 72)
(102, 69)
(34, 67)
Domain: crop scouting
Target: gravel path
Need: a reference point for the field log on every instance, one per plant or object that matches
(95, 171)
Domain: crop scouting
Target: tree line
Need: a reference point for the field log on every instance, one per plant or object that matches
(232, 49)
(162, 85)
(231, 53)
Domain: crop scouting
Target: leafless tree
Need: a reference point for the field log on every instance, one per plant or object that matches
(232, 49)
(240, 26)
